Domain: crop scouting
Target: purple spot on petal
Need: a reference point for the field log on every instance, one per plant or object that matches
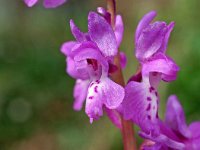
(91, 97)
(151, 89)
(157, 101)
(95, 89)
(156, 93)
(97, 81)
(91, 84)
(148, 107)
(149, 99)
(157, 114)
(149, 117)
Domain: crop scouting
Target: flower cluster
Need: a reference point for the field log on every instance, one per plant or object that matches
(90, 62)
(46, 3)
(141, 102)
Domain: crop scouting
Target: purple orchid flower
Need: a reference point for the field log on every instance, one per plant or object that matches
(175, 123)
(46, 3)
(141, 102)
(90, 61)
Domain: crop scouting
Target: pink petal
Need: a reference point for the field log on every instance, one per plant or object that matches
(194, 129)
(80, 93)
(73, 72)
(165, 42)
(119, 29)
(144, 22)
(94, 101)
(141, 105)
(161, 64)
(164, 140)
(90, 53)
(102, 34)
(103, 92)
(67, 47)
(113, 93)
(175, 117)
(195, 144)
(114, 116)
(83, 45)
(150, 40)
(80, 36)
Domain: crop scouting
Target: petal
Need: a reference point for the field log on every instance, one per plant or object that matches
(113, 93)
(119, 29)
(123, 60)
(53, 3)
(160, 63)
(102, 34)
(175, 118)
(141, 105)
(30, 3)
(164, 140)
(167, 131)
(114, 116)
(154, 79)
(80, 93)
(194, 129)
(73, 72)
(103, 92)
(90, 53)
(150, 40)
(165, 42)
(94, 101)
(144, 22)
(79, 36)
(195, 144)
(81, 46)
(66, 48)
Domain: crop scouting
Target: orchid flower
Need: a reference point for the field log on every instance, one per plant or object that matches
(189, 136)
(46, 3)
(90, 61)
(141, 92)
(141, 101)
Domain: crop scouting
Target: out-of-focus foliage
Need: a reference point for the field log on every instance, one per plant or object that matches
(36, 93)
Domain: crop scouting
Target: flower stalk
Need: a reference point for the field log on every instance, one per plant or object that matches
(127, 127)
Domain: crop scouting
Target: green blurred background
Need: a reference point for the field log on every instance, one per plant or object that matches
(36, 94)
